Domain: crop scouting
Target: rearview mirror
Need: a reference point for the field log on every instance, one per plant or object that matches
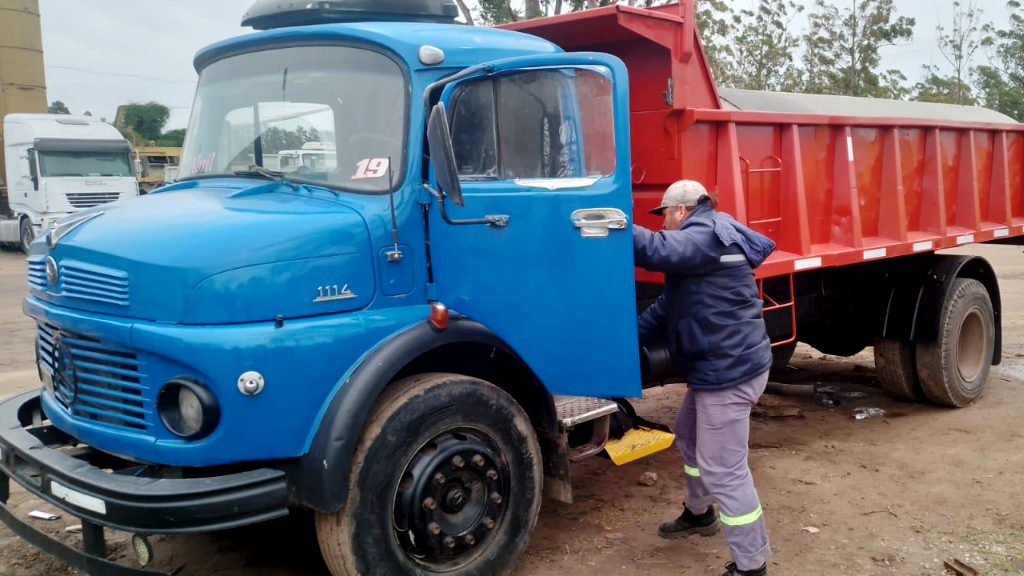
(442, 154)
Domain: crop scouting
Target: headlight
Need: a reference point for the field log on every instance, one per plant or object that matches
(187, 408)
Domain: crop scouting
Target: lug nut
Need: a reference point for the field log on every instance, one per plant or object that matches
(449, 542)
(478, 460)
(470, 539)
(488, 523)
(439, 478)
(495, 498)
(492, 474)
(429, 504)
(458, 462)
(433, 528)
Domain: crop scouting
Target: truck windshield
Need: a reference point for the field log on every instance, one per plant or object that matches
(344, 107)
(53, 164)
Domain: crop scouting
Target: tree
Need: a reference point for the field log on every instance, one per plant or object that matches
(143, 121)
(57, 107)
(842, 48)
(1001, 84)
(764, 45)
(935, 87)
(714, 20)
(172, 138)
(959, 44)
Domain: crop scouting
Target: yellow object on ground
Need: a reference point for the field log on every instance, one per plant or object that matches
(637, 443)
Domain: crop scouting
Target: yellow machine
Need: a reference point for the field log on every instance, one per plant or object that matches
(22, 78)
(155, 165)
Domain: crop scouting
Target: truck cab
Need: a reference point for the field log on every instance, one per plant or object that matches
(58, 165)
(414, 337)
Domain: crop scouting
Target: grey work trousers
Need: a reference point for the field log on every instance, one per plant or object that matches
(712, 430)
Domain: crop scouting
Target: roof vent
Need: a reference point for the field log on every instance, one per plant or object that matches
(269, 14)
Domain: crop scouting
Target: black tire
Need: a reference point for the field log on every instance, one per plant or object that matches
(404, 457)
(897, 369)
(953, 369)
(781, 355)
(27, 235)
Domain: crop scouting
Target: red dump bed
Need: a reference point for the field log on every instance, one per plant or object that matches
(832, 180)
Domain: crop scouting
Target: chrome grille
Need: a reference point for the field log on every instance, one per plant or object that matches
(90, 199)
(91, 282)
(95, 380)
(37, 272)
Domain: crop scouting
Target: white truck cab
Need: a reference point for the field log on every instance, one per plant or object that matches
(58, 164)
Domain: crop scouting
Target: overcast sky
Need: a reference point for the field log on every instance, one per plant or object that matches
(103, 53)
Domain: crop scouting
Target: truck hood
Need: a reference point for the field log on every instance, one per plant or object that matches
(211, 252)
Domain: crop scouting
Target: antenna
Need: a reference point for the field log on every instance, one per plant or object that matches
(395, 255)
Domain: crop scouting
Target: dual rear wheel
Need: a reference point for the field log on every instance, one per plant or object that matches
(952, 369)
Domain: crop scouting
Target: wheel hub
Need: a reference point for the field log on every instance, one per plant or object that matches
(970, 349)
(452, 494)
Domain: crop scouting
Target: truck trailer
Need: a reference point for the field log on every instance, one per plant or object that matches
(57, 165)
(416, 340)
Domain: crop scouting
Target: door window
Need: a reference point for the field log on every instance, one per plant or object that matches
(540, 124)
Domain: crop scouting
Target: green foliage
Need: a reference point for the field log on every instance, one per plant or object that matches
(714, 21)
(1001, 85)
(172, 138)
(842, 48)
(144, 122)
(57, 107)
(763, 46)
(935, 87)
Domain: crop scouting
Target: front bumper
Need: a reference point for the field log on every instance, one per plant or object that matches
(105, 490)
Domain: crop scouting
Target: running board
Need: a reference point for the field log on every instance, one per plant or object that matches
(575, 410)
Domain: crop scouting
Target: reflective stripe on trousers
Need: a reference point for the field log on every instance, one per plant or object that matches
(712, 431)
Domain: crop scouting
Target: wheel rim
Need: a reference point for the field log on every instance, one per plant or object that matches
(452, 495)
(970, 349)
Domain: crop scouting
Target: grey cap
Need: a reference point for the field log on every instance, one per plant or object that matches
(682, 193)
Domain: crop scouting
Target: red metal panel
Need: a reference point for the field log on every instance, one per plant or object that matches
(829, 189)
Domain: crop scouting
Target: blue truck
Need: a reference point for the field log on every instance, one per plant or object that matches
(413, 342)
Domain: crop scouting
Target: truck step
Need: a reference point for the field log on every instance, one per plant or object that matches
(575, 410)
(638, 443)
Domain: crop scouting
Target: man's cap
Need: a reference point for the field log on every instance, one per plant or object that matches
(683, 193)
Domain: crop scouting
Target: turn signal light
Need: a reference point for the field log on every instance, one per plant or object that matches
(438, 316)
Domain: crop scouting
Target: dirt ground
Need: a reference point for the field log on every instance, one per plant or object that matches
(895, 494)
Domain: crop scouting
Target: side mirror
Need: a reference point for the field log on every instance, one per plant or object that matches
(442, 154)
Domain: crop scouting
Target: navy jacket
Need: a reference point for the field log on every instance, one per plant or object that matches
(709, 313)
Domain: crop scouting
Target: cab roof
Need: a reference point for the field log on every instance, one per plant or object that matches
(463, 45)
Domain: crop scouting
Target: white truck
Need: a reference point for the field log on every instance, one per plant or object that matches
(58, 164)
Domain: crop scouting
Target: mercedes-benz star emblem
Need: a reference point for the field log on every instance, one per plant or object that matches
(65, 384)
(52, 272)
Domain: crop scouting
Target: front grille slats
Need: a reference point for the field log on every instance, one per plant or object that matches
(36, 274)
(98, 382)
(91, 282)
(90, 199)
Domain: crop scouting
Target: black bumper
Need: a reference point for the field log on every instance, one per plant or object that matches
(44, 461)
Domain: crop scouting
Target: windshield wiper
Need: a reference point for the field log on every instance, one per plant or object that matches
(256, 170)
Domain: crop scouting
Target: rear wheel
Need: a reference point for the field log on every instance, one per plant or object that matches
(897, 369)
(27, 234)
(954, 367)
(446, 478)
(781, 355)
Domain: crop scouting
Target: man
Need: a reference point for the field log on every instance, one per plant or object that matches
(709, 314)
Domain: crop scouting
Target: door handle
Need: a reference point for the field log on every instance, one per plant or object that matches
(596, 222)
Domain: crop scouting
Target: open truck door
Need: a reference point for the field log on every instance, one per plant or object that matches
(533, 152)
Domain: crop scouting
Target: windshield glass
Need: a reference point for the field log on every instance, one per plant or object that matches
(329, 114)
(65, 164)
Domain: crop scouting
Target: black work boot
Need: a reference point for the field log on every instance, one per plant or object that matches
(732, 570)
(689, 523)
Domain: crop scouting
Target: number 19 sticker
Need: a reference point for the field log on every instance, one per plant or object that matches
(371, 168)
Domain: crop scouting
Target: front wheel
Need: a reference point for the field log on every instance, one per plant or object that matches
(27, 234)
(446, 478)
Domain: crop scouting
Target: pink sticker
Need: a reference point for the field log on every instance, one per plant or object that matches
(201, 165)
(371, 168)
